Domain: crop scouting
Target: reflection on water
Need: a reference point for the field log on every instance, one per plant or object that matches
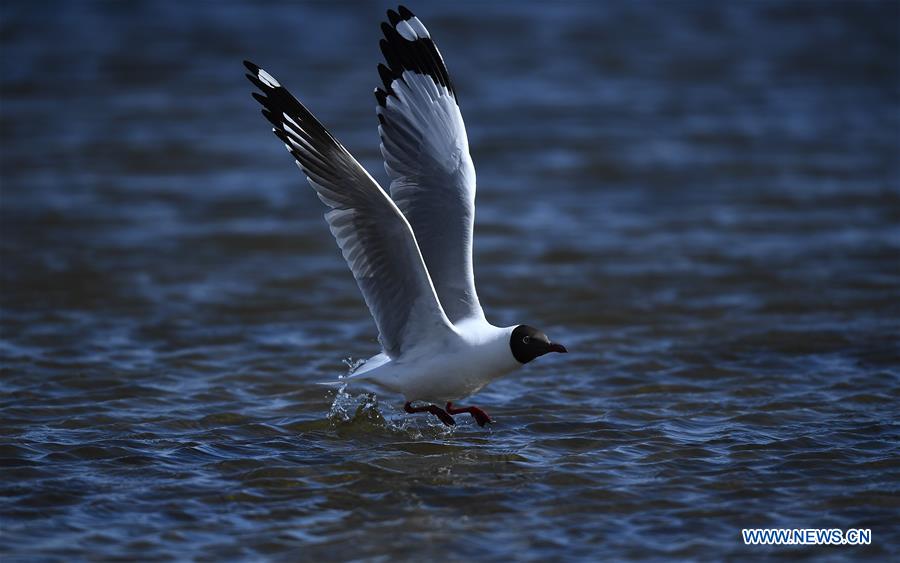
(700, 199)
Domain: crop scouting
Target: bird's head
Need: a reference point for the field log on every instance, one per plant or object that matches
(527, 343)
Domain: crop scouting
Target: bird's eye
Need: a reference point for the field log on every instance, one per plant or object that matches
(526, 339)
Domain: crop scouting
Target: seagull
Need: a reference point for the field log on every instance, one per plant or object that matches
(410, 252)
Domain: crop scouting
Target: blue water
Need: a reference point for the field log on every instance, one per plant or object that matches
(701, 200)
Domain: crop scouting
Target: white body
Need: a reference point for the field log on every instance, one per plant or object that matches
(440, 371)
(410, 252)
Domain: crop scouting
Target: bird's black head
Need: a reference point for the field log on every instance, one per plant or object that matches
(527, 343)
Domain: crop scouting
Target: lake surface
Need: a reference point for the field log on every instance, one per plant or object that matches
(701, 200)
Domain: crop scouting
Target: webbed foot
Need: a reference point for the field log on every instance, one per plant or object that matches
(433, 409)
(479, 415)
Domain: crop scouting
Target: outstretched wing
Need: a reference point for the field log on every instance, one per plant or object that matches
(374, 237)
(426, 155)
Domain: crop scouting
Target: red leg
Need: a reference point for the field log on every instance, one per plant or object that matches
(433, 409)
(480, 416)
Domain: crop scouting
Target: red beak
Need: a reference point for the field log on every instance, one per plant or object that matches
(554, 347)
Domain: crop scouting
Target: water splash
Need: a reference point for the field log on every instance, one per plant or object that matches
(349, 408)
(352, 366)
(343, 402)
(365, 410)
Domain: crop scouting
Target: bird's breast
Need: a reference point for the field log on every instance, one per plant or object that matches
(456, 372)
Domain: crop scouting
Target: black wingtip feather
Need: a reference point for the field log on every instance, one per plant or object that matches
(381, 97)
(394, 17)
(272, 118)
(281, 135)
(279, 106)
(386, 76)
(419, 55)
(258, 83)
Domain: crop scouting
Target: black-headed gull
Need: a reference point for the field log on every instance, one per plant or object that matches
(411, 255)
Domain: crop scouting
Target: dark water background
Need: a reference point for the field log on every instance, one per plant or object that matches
(699, 199)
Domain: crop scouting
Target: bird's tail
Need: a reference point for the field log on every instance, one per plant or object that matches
(337, 383)
(359, 370)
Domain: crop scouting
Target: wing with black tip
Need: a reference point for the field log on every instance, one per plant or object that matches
(374, 236)
(426, 154)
